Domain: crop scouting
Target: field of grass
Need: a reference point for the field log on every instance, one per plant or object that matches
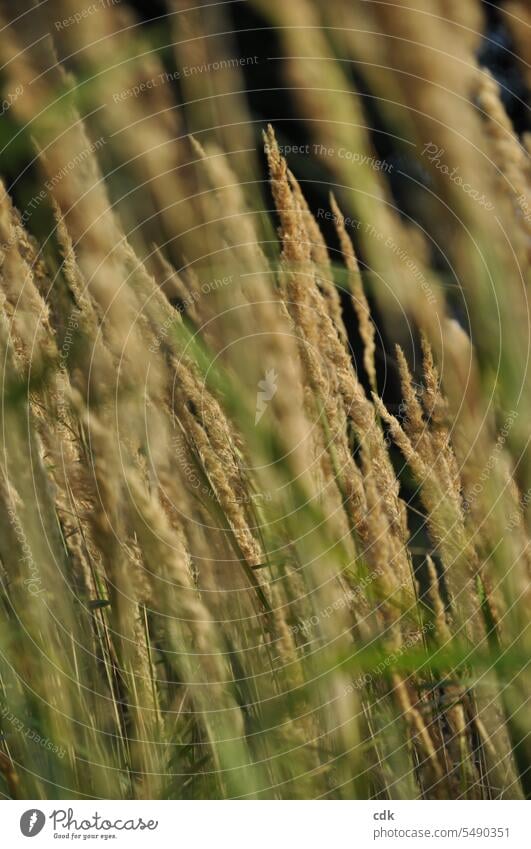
(265, 475)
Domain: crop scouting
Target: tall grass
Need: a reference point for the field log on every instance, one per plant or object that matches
(264, 500)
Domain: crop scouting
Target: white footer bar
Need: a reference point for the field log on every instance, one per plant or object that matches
(266, 824)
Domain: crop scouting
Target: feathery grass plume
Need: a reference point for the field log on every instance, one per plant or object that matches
(359, 299)
(460, 570)
(518, 19)
(320, 258)
(429, 84)
(304, 298)
(446, 525)
(509, 156)
(146, 150)
(387, 591)
(335, 118)
(432, 442)
(205, 44)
